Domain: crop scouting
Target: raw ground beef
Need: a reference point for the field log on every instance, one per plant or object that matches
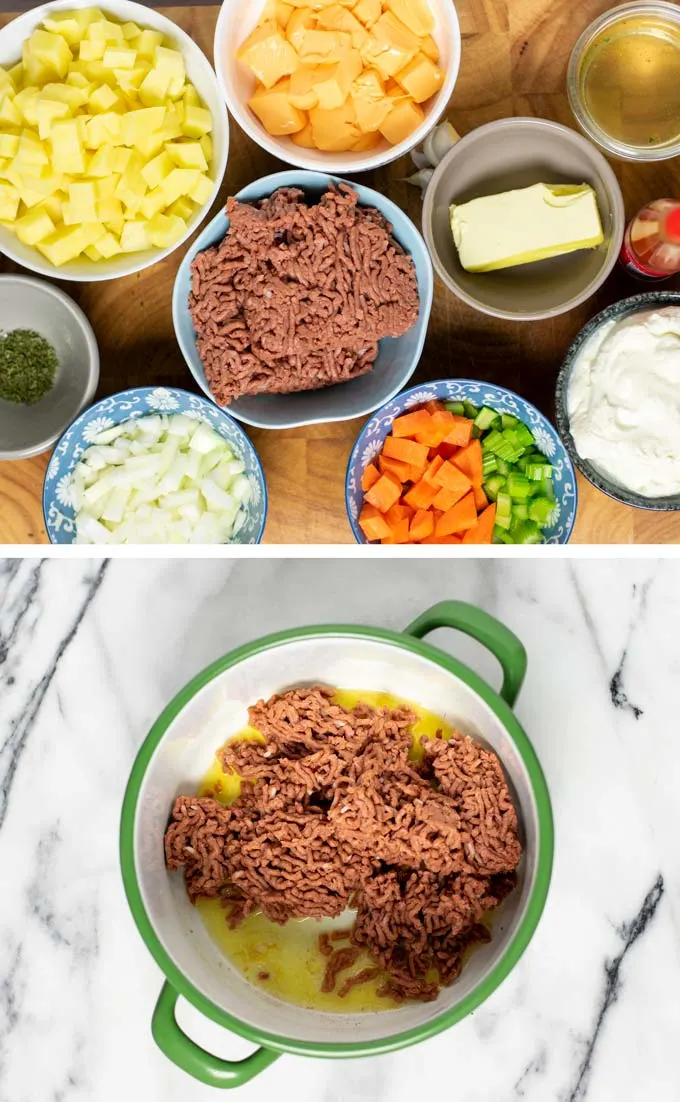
(334, 814)
(297, 297)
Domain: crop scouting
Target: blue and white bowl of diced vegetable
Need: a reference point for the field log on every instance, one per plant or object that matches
(180, 471)
(475, 394)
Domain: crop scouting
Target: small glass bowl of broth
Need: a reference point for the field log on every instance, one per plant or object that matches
(624, 81)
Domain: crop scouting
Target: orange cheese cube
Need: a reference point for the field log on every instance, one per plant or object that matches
(303, 93)
(420, 78)
(279, 11)
(391, 45)
(414, 14)
(405, 117)
(429, 48)
(275, 111)
(323, 47)
(301, 21)
(305, 137)
(335, 131)
(333, 82)
(337, 18)
(371, 104)
(367, 142)
(268, 54)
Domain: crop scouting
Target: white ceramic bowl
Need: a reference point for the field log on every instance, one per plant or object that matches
(238, 18)
(201, 75)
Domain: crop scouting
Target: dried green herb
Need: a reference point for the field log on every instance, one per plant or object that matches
(28, 364)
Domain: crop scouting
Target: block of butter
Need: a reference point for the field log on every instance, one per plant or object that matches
(519, 227)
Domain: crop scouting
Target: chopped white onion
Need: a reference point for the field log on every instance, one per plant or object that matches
(159, 479)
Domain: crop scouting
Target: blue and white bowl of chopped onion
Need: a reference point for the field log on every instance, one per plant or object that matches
(154, 465)
(370, 441)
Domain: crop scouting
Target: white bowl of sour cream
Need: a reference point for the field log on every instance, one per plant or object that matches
(618, 401)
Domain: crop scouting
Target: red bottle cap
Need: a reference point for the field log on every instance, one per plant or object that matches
(671, 226)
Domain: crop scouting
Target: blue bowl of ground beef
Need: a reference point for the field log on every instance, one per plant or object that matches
(397, 356)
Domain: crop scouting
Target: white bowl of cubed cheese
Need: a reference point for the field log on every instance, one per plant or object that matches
(315, 133)
(113, 138)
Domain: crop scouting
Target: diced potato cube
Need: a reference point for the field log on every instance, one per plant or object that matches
(268, 54)
(335, 131)
(190, 96)
(17, 75)
(414, 14)
(130, 30)
(47, 111)
(52, 50)
(275, 111)
(154, 88)
(65, 24)
(121, 159)
(169, 61)
(131, 188)
(135, 237)
(182, 208)
(91, 51)
(86, 16)
(147, 43)
(53, 206)
(78, 80)
(305, 137)
(66, 93)
(405, 117)
(6, 83)
(83, 201)
(64, 244)
(158, 168)
(65, 137)
(197, 121)
(9, 202)
(187, 155)
(420, 78)
(207, 147)
(108, 246)
(115, 226)
(119, 57)
(35, 71)
(129, 80)
(9, 114)
(109, 209)
(202, 190)
(139, 124)
(178, 182)
(165, 230)
(150, 145)
(103, 99)
(26, 102)
(153, 202)
(105, 31)
(33, 227)
(92, 252)
(104, 129)
(9, 144)
(31, 151)
(429, 48)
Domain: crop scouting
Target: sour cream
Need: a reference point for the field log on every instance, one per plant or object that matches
(624, 402)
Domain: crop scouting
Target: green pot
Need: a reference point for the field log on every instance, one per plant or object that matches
(179, 749)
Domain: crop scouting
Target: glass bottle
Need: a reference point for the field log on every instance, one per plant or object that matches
(651, 243)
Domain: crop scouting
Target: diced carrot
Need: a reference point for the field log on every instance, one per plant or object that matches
(421, 495)
(469, 460)
(459, 518)
(412, 423)
(441, 425)
(481, 500)
(371, 474)
(422, 525)
(373, 524)
(385, 492)
(446, 498)
(460, 432)
(448, 475)
(398, 512)
(416, 473)
(433, 405)
(398, 533)
(483, 529)
(406, 450)
(447, 451)
(432, 468)
(394, 466)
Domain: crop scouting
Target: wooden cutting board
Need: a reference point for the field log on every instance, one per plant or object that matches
(514, 63)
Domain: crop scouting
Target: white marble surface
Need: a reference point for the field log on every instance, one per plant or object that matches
(89, 654)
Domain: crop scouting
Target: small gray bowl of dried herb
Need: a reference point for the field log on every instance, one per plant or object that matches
(49, 365)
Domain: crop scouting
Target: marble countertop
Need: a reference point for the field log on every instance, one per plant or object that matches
(91, 652)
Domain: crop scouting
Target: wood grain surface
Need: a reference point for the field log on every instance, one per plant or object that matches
(514, 63)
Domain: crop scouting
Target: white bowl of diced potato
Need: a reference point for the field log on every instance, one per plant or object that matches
(113, 138)
(340, 86)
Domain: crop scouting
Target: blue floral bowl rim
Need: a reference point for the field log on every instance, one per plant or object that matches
(463, 382)
(616, 311)
(119, 394)
(273, 181)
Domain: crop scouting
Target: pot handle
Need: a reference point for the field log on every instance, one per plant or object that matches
(193, 1059)
(473, 621)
